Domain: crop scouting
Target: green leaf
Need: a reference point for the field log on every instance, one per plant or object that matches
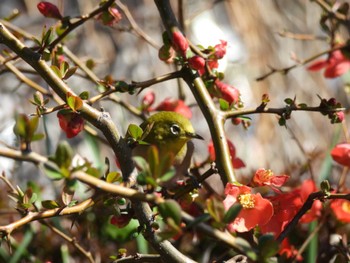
(168, 175)
(153, 160)
(64, 66)
(232, 213)
(268, 246)
(63, 155)
(53, 171)
(50, 204)
(20, 126)
(70, 72)
(38, 136)
(74, 102)
(135, 131)
(141, 163)
(32, 126)
(56, 70)
(113, 177)
(170, 209)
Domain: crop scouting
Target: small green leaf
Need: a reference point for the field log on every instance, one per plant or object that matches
(232, 213)
(56, 70)
(64, 66)
(50, 204)
(224, 105)
(282, 121)
(74, 102)
(53, 171)
(84, 95)
(170, 209)
(135, 131)
(289, 101)
(70, 72)
(168, 175)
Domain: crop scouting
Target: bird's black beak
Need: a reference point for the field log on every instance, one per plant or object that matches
(194, 136)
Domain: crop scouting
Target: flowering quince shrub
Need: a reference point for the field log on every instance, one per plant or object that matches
(175, 198)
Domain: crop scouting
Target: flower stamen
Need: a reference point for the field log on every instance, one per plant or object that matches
(246, 200)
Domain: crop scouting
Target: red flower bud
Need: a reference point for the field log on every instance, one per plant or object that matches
(178, 106)
(197, 63)
(121, 220)
(341, 154)
(220, 49)
(70, 122)
(49, 10)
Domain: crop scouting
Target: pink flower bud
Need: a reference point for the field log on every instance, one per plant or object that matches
(148, 99)
(180, 43)
(228, 92)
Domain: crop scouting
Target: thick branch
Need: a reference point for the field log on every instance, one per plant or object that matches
(214, 117)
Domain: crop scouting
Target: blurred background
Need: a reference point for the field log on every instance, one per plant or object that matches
(260, 35)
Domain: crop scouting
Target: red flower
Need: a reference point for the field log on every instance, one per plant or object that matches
(287, 205)
(228, 92)
(266, 177)
(121, 220)
(308, 187)
(49, 10)
(256, 210)
(336, 65)
(341, 154)
(341, 210)
(197, 63)
(178, 106)
(289, 251)
(70, 122)
(236, 162)
(220, 49)
(180, 43)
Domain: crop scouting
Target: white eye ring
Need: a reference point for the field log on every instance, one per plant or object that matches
(175, 129)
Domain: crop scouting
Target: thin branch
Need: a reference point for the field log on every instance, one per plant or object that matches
(286, 70)
(23, 78)
(71, 240)
(79, 22)
(33, 216)
(135, 26)
(140, 258)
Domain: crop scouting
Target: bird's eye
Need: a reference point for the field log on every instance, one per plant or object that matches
(175, 129)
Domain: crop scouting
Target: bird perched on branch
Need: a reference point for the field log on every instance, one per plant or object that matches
(171, 133)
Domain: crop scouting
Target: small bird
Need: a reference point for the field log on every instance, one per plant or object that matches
(171, 133)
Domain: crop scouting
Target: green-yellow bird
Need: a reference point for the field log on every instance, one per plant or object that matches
(171, 133)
